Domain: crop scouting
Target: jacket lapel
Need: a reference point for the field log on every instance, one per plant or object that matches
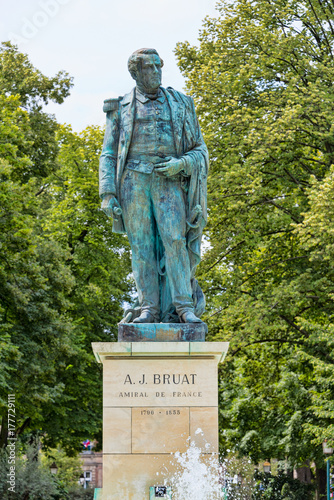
(178, 115)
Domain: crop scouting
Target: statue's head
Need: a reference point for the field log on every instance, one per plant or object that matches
(145, 67)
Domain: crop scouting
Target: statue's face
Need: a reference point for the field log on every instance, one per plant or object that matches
(149, 73)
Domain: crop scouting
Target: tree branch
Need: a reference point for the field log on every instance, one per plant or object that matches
(273, 265)
(225, 254)
(281, 341)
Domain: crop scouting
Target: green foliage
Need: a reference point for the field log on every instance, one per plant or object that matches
(98, 258)
(233, 466)
(69, 468)
(32, 480)
(262, 80)
(34, 284)
(280, 487)
(63, 274)
(20, 81)
(79, 493)
(99, 262)
(19, 77)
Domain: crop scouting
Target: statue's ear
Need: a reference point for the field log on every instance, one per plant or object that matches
(133, 73)
(136, 70)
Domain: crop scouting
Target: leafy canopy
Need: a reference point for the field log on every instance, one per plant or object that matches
(262, 80)
(63, 273)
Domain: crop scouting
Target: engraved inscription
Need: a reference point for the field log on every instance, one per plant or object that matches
(165, 379)
(133, 395)
(160, 412)
(154, 382)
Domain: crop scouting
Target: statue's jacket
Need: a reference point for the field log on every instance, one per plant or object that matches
(189, 145)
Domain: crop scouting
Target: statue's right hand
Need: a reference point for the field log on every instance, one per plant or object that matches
(109, 203)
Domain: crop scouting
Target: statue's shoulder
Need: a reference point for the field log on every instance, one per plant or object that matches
(111, 104)
(114, 104)
(180, 97)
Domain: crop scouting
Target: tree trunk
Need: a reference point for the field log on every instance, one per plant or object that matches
(25, 424)
(4, 431)
(303, 474)
(321, 476)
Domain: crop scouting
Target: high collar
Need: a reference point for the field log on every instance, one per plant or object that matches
(144, 98)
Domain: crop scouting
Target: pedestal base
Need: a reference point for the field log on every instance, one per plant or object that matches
(162, 332)
(157, 398)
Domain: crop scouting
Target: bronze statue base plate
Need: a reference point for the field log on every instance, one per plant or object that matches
(162, 332)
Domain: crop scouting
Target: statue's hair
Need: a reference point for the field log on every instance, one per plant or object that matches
(136, 57)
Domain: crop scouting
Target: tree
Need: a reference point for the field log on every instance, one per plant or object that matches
(33, 285)
(69, 468)
(19, 78)
(99, 259)
(262, 83)
(99, 262)
(32, 479)
(280, 487)
(63, 274)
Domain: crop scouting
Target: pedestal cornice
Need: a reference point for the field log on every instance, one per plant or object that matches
(109, 350)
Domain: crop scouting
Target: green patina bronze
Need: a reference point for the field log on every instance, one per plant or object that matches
(153, 174)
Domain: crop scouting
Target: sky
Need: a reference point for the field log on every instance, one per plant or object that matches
(93, 39)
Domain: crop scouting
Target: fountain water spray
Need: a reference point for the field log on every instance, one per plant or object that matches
(197, 474)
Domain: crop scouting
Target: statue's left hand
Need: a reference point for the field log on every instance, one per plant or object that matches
(169, 168)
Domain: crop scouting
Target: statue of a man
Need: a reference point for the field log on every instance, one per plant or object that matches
(153, 172)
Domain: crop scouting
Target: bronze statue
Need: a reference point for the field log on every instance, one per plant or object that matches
(153, 173)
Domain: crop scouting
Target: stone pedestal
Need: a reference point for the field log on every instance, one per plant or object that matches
(156, 395)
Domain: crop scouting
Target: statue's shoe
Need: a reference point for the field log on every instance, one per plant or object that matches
(189, 317)
(146, 317)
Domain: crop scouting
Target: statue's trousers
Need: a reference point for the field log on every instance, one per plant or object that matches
(150, 201)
